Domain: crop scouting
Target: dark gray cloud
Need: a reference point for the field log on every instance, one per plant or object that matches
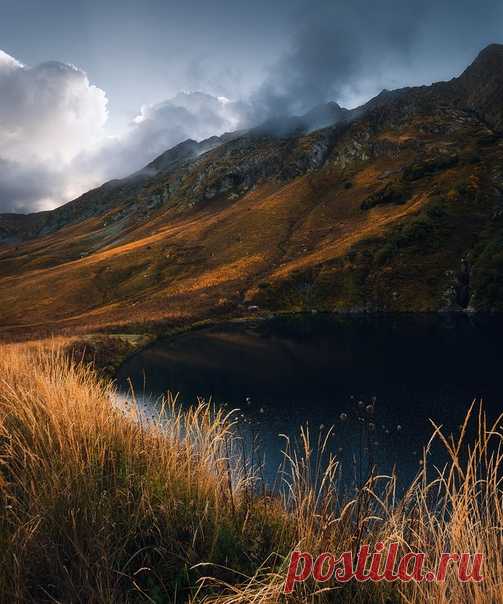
(349, 51)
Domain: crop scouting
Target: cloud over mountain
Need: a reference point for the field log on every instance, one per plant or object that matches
(158, 127)
(350, 51)
(53, 143)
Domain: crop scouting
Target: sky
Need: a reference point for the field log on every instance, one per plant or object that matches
(91, 90)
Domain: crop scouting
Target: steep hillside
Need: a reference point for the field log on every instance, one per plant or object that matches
(397, 205)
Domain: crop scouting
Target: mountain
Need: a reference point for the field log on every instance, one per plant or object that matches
(394, 206)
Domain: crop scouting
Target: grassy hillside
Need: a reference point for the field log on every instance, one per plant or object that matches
(366, 237)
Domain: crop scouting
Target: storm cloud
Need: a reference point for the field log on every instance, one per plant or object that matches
(350, 51)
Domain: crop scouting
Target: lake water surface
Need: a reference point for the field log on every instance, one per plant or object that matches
(377, 379)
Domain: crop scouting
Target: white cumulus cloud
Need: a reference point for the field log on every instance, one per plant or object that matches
(49, 114)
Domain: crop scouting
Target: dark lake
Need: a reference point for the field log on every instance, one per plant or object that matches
(387, 374)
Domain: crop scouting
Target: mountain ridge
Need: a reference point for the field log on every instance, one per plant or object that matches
(395, 206)
(467, 86)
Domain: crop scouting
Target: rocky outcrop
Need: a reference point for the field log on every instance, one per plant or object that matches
(394, 193)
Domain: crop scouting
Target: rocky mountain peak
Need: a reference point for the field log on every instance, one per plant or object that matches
(488, 64)
(185, 151)
(324, 115)
(482, 85)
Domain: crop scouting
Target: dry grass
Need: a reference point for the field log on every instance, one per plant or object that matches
(98, 505)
